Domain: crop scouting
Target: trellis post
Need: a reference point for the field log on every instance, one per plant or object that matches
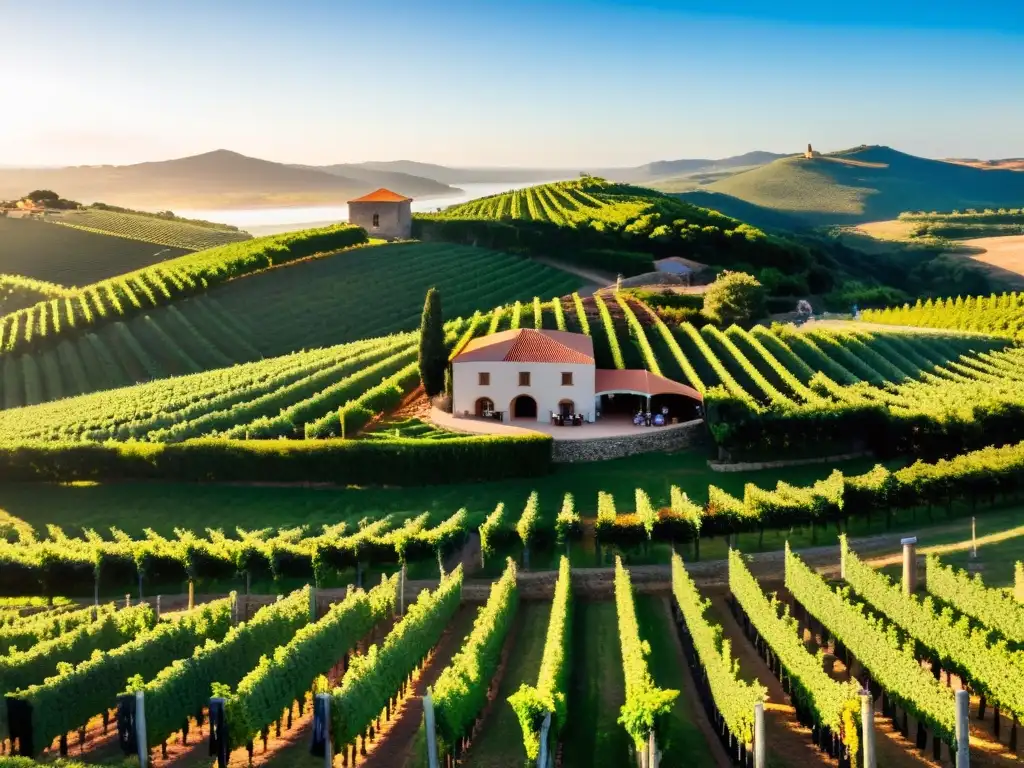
(909, 565)
(542, 757)
(963, 729)
(140, 728)
(760, 751)
(428, 719)
(867, 720)
(324, 712)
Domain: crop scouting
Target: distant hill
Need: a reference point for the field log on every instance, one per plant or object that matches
(220, 179)
(448, 175)
(755, 215)
(668, 169)
(1006, 163)
(659, 169)
(870, 183)
(414, 186)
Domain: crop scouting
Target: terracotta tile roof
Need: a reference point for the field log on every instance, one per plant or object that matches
(526, 345)
(382, 196)
(640, 382)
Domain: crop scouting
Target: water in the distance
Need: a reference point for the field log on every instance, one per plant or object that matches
(268, 221)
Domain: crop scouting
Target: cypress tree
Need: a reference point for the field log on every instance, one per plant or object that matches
(433, 355)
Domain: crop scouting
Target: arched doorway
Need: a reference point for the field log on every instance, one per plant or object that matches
(524, 407)
(566, 408)
(484, 406)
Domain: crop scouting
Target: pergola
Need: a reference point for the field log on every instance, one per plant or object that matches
(642, 383)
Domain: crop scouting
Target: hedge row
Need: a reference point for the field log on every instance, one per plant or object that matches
(345, 462)
(583, 246)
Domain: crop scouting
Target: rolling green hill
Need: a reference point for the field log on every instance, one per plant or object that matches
(354, 294)
(870, 183)
(70, 256)
(596, 223)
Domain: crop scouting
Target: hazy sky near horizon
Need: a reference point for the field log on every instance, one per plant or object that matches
(560, 83)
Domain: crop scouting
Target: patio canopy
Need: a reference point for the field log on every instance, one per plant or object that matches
(643, 383)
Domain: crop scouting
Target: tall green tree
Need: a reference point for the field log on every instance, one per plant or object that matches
(433, 355)
(735, 297)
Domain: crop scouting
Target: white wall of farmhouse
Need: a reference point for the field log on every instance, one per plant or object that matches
(545, 387)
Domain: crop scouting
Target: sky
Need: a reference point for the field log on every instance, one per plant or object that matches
(559, 84)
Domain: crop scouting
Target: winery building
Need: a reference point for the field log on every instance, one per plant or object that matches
(383, 214)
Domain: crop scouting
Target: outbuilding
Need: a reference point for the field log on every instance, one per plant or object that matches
(383, 214)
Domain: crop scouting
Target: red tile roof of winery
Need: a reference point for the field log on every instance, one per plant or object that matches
(526, 345)
(639, 382)
(382, 196)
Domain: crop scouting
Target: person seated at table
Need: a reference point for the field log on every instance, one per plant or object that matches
(647, 419)
(659, 420)
(638, 419)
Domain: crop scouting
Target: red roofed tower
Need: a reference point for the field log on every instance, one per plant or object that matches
(383, 214)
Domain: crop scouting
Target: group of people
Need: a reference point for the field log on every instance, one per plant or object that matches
(647, 419)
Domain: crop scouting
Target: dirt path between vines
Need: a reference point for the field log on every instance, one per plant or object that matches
(393, 746)
(789, 742)
(715, 748)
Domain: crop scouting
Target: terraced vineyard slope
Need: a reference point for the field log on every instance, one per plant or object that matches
(610, 226)
(1001, 315)
(316, 303)
(174, 233)
(69, 257)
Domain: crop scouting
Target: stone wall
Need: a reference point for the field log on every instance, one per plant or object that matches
(654, 439)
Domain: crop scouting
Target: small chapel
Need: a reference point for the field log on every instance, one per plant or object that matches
(384, 214)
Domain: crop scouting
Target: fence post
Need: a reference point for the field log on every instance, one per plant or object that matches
(428, 719)
(867, 720)
(963, 729)
(760, 748)
(909, 565)
(96, 589)
(127, 601)
(652, 749)
(158, 607)
(312, 604)
(191, 594)
(140, 728)
(542, 757)
(1018, 581)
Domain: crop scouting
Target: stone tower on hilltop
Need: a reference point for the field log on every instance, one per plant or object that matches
(811, 152)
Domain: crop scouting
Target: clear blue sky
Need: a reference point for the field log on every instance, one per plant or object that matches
(476, 82)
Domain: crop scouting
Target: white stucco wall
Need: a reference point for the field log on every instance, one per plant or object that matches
(395, 219)
(545, 386)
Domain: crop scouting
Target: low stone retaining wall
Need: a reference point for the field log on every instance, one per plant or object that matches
(753, 466)
(672, 438)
